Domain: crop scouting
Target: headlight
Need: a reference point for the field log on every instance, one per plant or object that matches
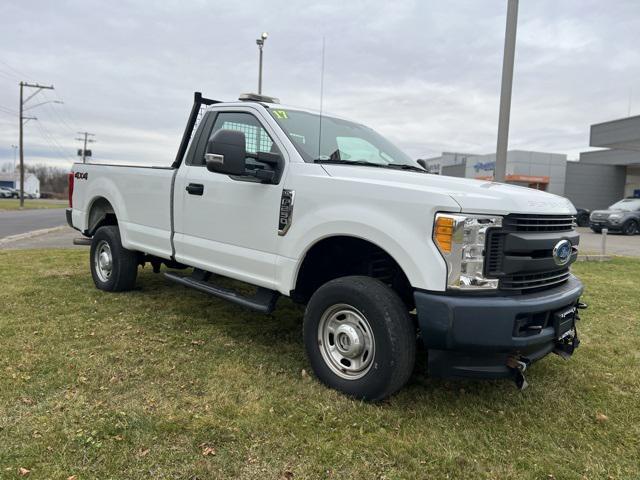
(461, 241)
(615, 216)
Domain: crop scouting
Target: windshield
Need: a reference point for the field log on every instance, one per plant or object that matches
(341, 141)
(627, 205)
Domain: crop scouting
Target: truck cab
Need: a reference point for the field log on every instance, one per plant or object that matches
(330, 213)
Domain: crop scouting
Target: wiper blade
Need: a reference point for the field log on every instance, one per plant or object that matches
(403, 166)
(348, 162)
(339, 161)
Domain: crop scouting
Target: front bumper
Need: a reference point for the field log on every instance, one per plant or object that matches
(609, 225)
(482, 336)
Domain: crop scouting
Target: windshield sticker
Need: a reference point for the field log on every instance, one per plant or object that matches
(281, 114)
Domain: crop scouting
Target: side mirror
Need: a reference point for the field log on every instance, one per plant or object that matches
(226, 152)
(422, 163)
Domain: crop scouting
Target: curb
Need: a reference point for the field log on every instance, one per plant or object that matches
(33, 233)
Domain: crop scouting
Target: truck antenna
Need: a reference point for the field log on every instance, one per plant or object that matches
(321, 97)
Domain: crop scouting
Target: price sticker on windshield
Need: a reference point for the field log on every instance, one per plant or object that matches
(281, 114)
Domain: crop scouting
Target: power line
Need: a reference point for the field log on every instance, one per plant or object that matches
(59, 118)
(7, 110)
(47, 136)
(17, 72)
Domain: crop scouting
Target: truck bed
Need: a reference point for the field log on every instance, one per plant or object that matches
(141, 195)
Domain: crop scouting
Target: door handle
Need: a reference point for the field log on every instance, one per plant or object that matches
(195, 189)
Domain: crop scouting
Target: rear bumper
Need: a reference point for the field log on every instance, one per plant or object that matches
(473, 336)
(68, 213)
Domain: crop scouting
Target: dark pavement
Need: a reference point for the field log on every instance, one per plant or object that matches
(15, 222)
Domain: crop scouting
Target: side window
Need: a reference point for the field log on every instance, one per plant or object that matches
(256, 137)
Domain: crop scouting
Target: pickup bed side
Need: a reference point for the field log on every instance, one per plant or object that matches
(139, 197)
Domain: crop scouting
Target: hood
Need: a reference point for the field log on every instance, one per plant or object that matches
(473, 196)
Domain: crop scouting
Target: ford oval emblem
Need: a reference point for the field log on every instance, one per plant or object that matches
(562, 252)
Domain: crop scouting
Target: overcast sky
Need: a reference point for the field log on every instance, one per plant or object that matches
(424, 73)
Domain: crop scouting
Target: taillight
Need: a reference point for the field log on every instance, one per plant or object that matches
(71, 190)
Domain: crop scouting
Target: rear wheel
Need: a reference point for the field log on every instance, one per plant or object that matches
(113, 267)
(359, 337)
(630, 228)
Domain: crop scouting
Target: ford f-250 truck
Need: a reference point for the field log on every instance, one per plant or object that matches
(330, 213)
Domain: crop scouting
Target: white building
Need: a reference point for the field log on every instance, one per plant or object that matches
(31, 183)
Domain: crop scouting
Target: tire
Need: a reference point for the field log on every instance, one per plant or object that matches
(113, 267)
(630, 228)
(583, 220)
(596, 230)
(373, 340)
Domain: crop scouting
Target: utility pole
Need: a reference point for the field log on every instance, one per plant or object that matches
(260, 43)
(500, 169)
(86, 140)
(38, 88)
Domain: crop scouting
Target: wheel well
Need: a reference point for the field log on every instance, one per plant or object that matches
(101, 213)
(341, 256)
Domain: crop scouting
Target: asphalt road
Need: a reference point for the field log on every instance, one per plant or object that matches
(15, 222)
(617, 244)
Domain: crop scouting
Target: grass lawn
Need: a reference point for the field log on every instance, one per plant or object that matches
(165, 382)
(30, 204)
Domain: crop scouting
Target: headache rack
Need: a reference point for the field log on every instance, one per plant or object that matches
(196, 114)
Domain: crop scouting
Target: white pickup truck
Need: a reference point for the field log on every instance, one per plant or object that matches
(328, 212)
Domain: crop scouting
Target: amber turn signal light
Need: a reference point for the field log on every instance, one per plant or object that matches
(444, 233)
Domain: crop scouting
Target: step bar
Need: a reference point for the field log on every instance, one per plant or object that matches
(264, 300)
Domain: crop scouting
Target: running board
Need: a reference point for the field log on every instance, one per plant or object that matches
(264, 300)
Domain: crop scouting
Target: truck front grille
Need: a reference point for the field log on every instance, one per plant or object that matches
(534, 280)
(539, 223)
(520, 253)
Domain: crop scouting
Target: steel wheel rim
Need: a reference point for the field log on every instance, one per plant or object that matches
(346, 341)
(103, 261)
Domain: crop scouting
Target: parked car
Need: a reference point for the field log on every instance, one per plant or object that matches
(5, 192)
(377, 248)
(622, 216)
(582, 217)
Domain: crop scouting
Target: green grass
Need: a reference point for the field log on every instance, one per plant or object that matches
(141, 384)
(30, 204)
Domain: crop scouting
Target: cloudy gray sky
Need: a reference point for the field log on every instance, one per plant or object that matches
(424, 73)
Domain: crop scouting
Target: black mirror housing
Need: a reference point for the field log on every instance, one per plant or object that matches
(226, 152)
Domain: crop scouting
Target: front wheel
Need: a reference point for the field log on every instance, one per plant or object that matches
(596, 229)
(359, 337)
(113, 267)
(630, 228)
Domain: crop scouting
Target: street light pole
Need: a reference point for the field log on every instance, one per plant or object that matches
(260, 43)
(500, 169)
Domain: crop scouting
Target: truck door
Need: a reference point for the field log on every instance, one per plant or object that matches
(224, 224)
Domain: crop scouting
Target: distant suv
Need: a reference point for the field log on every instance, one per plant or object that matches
(622, 216)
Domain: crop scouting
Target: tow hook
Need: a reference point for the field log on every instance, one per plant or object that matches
(518, 365)
(566, 345)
